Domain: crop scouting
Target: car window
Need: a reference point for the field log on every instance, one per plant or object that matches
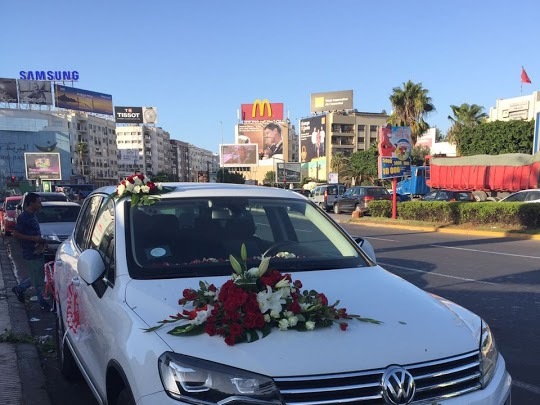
(377, 192)
(430, 196)
(517, 197)
(462, 196)
(102, 238)
(442, 196)
(83, 228)
(49, 213)
(296, 230)
(348, 193)
(11, 205)
(533, 195)
(332, 190)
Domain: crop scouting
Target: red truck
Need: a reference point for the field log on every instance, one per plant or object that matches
(490, 177)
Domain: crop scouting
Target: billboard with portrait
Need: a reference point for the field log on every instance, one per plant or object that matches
(234, 155)
(332, 101)
(43, 166)
(394, 152)
(72, 98)
(35, 92)
(8, 91)
(271, 137)
(312, 138)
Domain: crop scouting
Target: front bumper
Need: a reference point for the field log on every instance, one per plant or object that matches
(498, 392)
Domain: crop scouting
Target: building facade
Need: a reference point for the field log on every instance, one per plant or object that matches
(200, 161)
(516, 108)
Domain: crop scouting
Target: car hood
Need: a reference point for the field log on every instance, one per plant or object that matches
(57, 228)
(416, 326)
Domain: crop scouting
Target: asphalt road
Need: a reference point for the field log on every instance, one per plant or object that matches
(497, 278)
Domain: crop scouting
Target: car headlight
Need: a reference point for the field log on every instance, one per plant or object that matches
(9, 219)
(203, 382)
(488, 355)
(51, 238)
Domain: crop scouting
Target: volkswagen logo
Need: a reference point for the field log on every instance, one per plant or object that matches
(398, 386)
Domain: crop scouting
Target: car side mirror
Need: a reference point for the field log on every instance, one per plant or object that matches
(90, 265)
(366, 247)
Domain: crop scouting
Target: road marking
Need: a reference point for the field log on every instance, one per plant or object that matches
(387, 240)
(486, 251)
(526, 386)
(436, 274)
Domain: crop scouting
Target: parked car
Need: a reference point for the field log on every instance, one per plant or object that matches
(124, 268)
(303, 191)
(526, 196)
(44, 196)
(449, 195)
(56, 221)
(359, 197)
(7, 214)
(326, 195)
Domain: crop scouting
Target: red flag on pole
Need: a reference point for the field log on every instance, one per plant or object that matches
(524, 76)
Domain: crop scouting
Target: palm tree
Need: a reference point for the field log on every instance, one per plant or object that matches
(339, 163)
(410, 106)
(465, 115)
(81, 149)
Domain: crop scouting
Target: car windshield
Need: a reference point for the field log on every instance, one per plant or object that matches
(194, 237)
(376, 192)
(11, 205)
(58, 214)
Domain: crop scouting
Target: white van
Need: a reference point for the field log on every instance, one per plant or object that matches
(326, 195)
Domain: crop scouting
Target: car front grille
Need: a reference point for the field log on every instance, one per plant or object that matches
(434, 380)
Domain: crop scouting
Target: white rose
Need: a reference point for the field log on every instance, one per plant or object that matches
(310, 325)
(129, 186)
(137, 189)
(121, 189)
(267, 318)
(254, 272)
(293, 320)
(283, 324)
(288, 314)
(145, 189)
(274, 314)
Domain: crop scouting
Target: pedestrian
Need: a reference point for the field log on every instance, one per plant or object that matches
(28, 232)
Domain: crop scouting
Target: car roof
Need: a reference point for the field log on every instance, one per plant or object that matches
(205, 190)
(59, 204)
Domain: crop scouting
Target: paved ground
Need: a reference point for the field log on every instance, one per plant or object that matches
(21, 377)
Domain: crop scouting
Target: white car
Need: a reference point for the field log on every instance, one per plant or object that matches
(526, 196)
(125, 268)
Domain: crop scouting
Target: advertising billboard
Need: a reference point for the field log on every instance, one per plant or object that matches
(35, 92)
(128, 156)
(72, 98)
(8, 91)
(150, 115)
(331, 101)
(312, 138)
(271, 137)
(288, 172)
(128, 115)
(43, 166)
(394, 152)
(262, 110)
(239, 155)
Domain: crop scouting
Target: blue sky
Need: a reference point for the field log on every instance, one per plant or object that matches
(197, 61)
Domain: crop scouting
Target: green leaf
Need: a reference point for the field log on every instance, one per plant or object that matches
(153, 328)
(243, 252)
(235, 264)
(134, 199)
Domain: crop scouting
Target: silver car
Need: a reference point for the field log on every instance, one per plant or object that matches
(56, 221)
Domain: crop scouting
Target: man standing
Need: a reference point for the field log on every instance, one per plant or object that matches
(27, 231)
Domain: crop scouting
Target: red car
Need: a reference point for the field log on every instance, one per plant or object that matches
(8, 214)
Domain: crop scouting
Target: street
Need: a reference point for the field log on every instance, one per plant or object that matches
(499, 279)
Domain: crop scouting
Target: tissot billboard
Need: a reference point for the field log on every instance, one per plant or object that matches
(8, 91)
(332, 101)
(72, 98)
(128, 115)
(262, 110)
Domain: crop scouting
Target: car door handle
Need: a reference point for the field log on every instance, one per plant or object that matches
(76, 281)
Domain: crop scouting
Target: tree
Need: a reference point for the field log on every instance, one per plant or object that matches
(465, 116)
(339, 164)
(363, 166)
(81, 149)
(410, 106)
(270, 178)
(224, 176)
(418, 155)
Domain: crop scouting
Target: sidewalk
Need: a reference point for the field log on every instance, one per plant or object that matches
(22, 381)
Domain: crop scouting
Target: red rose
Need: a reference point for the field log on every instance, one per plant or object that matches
(298, 284)
(230, 340)
(190, 294)
(295, 307)
(323, 299)
(235, 329)
(131, 180)
(140, 176)
(343, 326)
(210, 329)
(212, 288)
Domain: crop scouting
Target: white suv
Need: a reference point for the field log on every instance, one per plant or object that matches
(125, 268)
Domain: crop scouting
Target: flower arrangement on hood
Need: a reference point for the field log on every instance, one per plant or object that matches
(140, 188)
(252, 303)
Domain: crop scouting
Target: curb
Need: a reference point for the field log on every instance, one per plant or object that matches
(32, 377)
(494, 234)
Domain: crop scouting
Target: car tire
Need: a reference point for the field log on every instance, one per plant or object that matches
(66, 363)
(125, 397)
(336, 209)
